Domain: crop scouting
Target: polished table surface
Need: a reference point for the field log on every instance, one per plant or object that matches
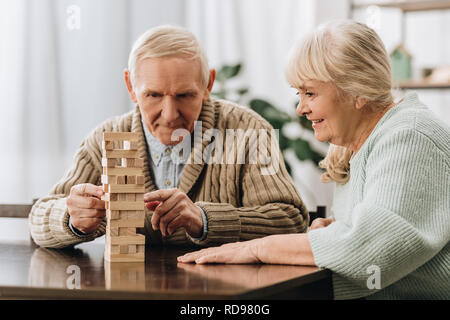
(28, 271)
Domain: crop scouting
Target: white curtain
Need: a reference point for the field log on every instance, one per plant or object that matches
(62, 61)
(61, 74)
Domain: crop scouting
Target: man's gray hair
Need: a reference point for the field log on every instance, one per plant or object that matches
(165, 41)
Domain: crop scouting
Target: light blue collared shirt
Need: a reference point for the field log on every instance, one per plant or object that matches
(166, 167)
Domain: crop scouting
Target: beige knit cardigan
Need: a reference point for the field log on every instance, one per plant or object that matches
(239, 202)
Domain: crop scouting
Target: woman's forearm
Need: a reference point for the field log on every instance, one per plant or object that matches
(286, 249)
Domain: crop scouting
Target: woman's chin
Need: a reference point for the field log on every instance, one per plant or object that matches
(320, 137)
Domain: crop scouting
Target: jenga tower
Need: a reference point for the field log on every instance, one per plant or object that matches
(124, 198)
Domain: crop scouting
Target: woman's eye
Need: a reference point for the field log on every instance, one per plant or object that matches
(309, 94)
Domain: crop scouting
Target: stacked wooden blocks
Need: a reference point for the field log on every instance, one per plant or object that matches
(124, 197)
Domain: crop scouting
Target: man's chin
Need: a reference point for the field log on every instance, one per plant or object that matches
(168, 139)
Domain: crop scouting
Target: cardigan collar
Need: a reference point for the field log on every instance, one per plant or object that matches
(194, 166)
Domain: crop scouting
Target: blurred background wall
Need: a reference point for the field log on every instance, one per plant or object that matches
(62, 62)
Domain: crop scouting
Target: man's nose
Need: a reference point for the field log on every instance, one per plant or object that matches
(170, 111)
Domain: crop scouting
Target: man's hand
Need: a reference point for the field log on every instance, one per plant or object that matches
(174, 211)
(320, 223)
(86, 208)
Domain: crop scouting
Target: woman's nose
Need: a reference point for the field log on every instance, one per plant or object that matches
(302, 109)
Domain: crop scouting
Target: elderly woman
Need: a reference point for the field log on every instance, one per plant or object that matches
(391, 165)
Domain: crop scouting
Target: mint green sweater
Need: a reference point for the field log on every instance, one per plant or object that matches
(393, 215)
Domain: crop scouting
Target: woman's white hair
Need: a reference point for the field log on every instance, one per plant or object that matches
(168, 41)
(352, 57)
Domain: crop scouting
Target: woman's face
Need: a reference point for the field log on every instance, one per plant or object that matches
(333, 119)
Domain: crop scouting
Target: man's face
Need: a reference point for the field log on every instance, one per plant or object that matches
(170, 93)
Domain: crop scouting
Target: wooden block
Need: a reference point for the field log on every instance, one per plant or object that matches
(129, 257)
(137, 214)
(119, 153)
(110, 163)
(132, 163)
(130, 145)
(121, 136)
(128, 162)
(107, 145)
(110, 197)
(111, 179)
(140, 179)
(140, 248)
(115, 249)
(112, 231)
(123, 248)
(131, 197)
(127, 232)
(112, 214)
(121, 180)
(128, 223)
(126, 188)
(131, 248)
(131, 180)
(124, 214)
(122, 171)
(129, 239)
(122, 197)
(126, 205)
(139, 197)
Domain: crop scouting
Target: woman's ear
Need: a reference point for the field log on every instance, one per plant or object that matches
(360, 102)
(129, 85)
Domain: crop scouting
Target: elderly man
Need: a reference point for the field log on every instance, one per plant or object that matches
(201, 201)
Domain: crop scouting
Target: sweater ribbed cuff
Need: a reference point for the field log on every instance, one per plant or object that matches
(224, 224)
(59, 225)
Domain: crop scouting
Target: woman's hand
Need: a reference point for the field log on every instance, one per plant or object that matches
(275, 249)
(233, 253)
(320, 223)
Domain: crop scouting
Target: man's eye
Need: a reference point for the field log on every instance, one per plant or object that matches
(309, 94)
(184, 95)
(153, 95)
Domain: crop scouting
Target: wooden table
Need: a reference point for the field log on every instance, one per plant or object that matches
(28, 271)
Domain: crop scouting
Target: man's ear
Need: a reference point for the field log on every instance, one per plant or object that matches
(129, 85)
(212, 78)
(360, 102)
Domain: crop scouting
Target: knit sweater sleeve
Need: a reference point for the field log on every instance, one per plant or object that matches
(49, 217)
(402, 221)
(270, 204)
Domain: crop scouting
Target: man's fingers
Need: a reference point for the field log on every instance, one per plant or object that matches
(87, 189)
(174, 225)
(87, 225)
(151, 206)
(89, 214)
(159, 195)
(169, 204)
(85, 202)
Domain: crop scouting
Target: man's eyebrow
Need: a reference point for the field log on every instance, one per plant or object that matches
(151, 91)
